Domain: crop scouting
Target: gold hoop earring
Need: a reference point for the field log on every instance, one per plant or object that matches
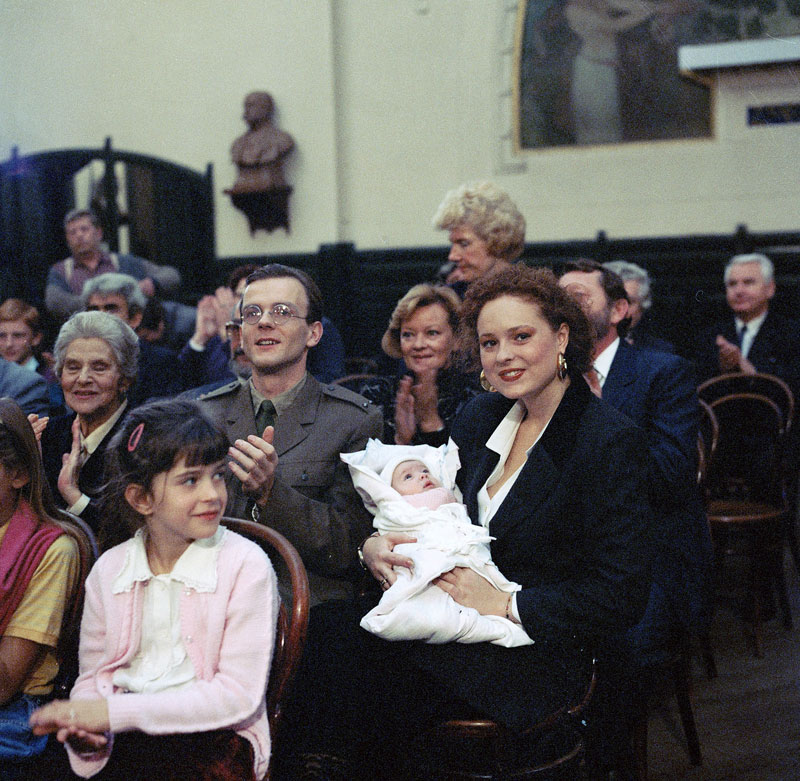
(485, 384)
(562, 366)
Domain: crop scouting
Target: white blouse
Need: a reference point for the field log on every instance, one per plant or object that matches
(500, 442)
(161, 663)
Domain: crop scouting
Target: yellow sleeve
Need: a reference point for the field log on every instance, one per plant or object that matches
(40, 614)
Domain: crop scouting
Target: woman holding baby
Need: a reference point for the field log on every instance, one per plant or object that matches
(557, 477)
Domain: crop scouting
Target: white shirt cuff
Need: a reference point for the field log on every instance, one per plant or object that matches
(80, 505)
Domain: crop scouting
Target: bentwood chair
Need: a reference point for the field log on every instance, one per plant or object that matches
(292, 621)
(762, 384)
(776, 389)
(746, 494)
(484, 749)
(355, 382)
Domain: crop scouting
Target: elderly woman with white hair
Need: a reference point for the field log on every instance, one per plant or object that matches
(486, 231)
(96, 358)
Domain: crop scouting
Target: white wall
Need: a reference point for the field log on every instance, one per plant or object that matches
(167, 78)
(390, 102)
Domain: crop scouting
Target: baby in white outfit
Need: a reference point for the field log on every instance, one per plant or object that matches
(411, 489)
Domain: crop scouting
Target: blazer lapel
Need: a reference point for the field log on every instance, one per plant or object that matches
(542, 471)
(621, 376)
(534, 484)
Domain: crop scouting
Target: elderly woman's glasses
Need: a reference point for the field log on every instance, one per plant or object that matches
(280, 314)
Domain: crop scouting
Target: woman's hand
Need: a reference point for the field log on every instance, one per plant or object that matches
(71, 468)
(426, 401)
(416, 407)
(468, 588)
(38, 425)
(405, 421)
(81, 723)
(380, 558)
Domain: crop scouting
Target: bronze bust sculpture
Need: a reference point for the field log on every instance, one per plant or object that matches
(260, 189)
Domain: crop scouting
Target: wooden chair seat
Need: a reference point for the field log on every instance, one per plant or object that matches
(484, 749)
(737, 511)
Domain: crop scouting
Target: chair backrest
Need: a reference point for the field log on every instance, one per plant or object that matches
(749, 459)
(763, 384)
(707, 441)
(292, 622)
(358, 364)
(355, 382)
(67, 649)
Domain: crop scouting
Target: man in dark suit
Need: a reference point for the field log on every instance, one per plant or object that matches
(657, 391)
(287, 431)
(26, 387)
(637, 285)
(752, 339)
(119, 295)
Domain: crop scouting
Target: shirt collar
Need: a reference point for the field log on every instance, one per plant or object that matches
(602, 363)
(282, 401)
(196, 568)
(91, 442)
(752, 325)
(503, 436)
(31, 363)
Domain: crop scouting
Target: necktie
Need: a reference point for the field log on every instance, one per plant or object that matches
(265, 416)
(740, 332)
(592, 377)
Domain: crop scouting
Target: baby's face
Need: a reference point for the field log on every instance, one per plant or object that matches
(413, 477)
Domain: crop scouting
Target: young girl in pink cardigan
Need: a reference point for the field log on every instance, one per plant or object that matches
(179, 621)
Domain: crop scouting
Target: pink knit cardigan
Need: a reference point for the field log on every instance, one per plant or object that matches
(229, 635)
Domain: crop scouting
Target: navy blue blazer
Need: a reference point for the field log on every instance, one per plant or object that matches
(775, 350)
(657, 391)
(159, 375)
(26, 387)
(575, 532)
(575, 528)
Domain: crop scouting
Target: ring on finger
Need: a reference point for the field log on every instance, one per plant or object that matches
(384, 583)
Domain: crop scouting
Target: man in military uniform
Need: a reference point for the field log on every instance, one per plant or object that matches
(287, 431)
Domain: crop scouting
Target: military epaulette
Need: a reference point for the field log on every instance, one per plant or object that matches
(344, 394)
(221, 391)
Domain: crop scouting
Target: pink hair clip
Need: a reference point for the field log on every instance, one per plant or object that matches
(136, 435)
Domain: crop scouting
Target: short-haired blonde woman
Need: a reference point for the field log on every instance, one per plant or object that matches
(487, 230)
(420, 405)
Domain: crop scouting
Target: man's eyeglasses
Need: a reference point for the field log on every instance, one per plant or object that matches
(280, 314)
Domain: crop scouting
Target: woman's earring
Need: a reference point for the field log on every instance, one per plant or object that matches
(485, 384)
(562, 367)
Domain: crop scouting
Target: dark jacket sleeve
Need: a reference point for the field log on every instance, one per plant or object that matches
(608, 582)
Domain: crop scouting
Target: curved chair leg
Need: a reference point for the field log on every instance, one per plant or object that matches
(640, 745)
(708, 656)
(783, 594)
(791, 536)
(682, 680)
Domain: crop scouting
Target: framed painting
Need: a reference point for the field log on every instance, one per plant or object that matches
(606, 71)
